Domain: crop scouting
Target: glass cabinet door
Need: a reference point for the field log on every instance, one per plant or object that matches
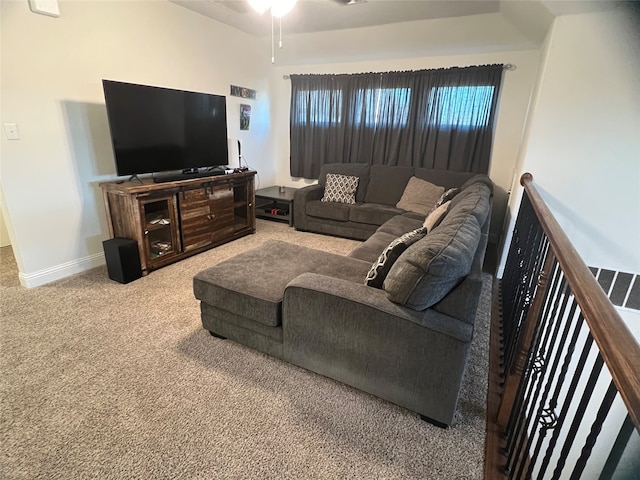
(160, 228)
(243, 205)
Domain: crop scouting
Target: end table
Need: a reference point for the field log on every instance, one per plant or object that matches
(275, 203)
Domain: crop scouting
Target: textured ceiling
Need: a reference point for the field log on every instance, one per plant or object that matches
(327, 15)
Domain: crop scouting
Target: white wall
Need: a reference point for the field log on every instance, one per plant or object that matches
(583, 136)
(4, 231)
(514, 100)
(51, 88)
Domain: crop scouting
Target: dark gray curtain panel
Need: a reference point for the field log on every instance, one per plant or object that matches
(429, 118)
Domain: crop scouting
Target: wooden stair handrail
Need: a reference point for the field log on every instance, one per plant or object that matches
(618, 347)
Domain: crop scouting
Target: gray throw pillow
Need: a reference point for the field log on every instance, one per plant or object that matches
(380, 268)
(436, 216)
(420, 196)
(340, 189)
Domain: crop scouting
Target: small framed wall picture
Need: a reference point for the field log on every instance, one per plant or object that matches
(242, 92)
(245, 116)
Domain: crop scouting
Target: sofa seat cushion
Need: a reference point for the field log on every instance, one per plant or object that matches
(372, 247)
(252, 283)
(373, 213)
(328, 210)
(401, 224)
(430, 268)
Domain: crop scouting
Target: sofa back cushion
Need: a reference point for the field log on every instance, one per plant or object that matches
(446, 178)
(387, 183)
(430, 268)
(474, 200)
(360, 170)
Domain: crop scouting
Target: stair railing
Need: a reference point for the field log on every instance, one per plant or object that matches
(563, 415)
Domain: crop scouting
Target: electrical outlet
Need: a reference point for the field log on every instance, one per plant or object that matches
(11, 130)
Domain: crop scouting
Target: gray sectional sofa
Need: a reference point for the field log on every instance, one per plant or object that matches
(379, 190)
(406, 342)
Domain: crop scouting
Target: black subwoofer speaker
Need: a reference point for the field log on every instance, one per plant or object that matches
(123, 260)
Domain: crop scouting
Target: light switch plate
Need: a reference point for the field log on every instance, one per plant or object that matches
(45, 7)
(11, 130)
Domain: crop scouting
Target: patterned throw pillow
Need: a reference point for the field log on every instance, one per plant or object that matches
(380, 269)
(340, 188)
(445, 197)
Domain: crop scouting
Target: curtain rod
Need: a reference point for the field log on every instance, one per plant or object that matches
(507, 66)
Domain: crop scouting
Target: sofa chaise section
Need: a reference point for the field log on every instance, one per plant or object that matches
(241, 298)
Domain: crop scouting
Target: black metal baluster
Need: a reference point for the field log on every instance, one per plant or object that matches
(596, 428)
(554, 322)
(572, 386)
(527, 261)
(518, 419)
(524, 384)
(582, 406)
(553, 422)
(617, 450)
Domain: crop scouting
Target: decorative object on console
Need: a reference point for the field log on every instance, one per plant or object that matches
(340, 188)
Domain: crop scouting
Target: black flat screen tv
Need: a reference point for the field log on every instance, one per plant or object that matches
(155, 129)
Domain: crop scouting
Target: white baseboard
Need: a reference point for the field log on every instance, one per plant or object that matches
(61, 271)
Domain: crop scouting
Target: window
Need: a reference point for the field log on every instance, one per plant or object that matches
(318, 107)
(460, 106)
(440, 118)
(382, 107)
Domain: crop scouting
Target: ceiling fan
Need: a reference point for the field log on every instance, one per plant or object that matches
(243, 6)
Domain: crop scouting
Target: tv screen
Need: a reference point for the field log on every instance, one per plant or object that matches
(155, 129)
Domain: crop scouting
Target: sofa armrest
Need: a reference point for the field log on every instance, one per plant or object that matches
(300, 199)
(354, 334)
(358, 301)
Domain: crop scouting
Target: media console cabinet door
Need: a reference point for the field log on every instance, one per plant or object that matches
(206, 215)
(160, 227)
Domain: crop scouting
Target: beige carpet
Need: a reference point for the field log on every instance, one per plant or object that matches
(104, 380)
